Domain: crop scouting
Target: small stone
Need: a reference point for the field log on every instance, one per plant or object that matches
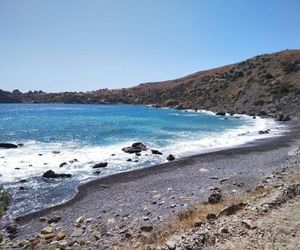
(79, 220)
(171, 158)
(47, 230)
(214, 198)
(55, 152)
(42, 219)
(54, 220)
(146, 228)
(172, 205)
(145, 218)
(77, 232)
(211, 217)
(61, 235)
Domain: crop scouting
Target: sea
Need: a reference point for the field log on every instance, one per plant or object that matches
(82, 135)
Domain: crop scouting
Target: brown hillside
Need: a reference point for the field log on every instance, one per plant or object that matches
(268, 83)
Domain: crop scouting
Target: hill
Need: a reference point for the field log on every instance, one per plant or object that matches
(265, 84)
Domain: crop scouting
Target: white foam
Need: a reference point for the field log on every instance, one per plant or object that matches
(187, 143)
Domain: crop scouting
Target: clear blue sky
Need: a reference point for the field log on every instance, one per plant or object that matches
(59, 45)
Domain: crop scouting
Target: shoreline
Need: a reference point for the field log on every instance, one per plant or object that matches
(118, 208)
(263, 144)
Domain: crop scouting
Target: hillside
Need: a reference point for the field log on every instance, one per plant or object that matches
(265, 84)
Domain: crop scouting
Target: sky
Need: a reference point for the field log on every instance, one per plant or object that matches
(72, 45)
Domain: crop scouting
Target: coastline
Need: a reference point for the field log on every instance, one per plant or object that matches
(129, 196)
(262, 144)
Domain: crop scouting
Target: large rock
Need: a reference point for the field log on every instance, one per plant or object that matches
(8, 145)
(51, 174)
(100, 165)
(221, 113)
(136, 147)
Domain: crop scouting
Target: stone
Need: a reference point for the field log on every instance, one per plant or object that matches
(221, 113)
(47, 230)
(42, 219)
(145, 218)
(63, 164)
(211, 217)
(171, 157)
(55, 152)
(214, 198)
(232, 209)
(8, 145)
(136, 147)
(79, 220)
(146, 228)
(51, 174)
(54, 219)
(224, 179)
(262, 132)
(100, 165)
(60, 235)
(12, 229)
(156, 152)
(77, 232)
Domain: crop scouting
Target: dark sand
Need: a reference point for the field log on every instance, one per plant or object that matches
(131, 194)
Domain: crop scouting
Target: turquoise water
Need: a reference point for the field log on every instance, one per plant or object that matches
(97, 133)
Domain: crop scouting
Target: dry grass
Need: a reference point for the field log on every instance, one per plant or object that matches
(188, 218)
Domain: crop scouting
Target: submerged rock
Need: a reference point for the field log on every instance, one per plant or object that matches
(262, 132)
(8, 145)
(156, 152)
(63, 164)
(100, 165)
(52, 174)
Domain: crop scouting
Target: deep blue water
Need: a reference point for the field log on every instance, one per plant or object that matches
(93, 133)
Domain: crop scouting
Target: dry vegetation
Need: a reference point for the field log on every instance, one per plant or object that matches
(194, 216)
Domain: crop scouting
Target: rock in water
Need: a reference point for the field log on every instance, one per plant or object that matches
(62, 164)
(156, 152)
(51, 174)
(136, 147)
(8, 145)
(100, 165)
(221, 113)
(171, 158)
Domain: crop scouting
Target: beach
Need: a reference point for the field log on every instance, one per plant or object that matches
(122, 206)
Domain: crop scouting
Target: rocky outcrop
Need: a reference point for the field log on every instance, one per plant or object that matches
(136, 147)
(8, 145)
(50, 174)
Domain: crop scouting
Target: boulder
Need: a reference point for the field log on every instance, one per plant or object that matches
(214, 198)
(8, 145)
(136, 147)
(171, 157)
(100, 165)
(51, 174)
(221, 113)
(156, 152)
